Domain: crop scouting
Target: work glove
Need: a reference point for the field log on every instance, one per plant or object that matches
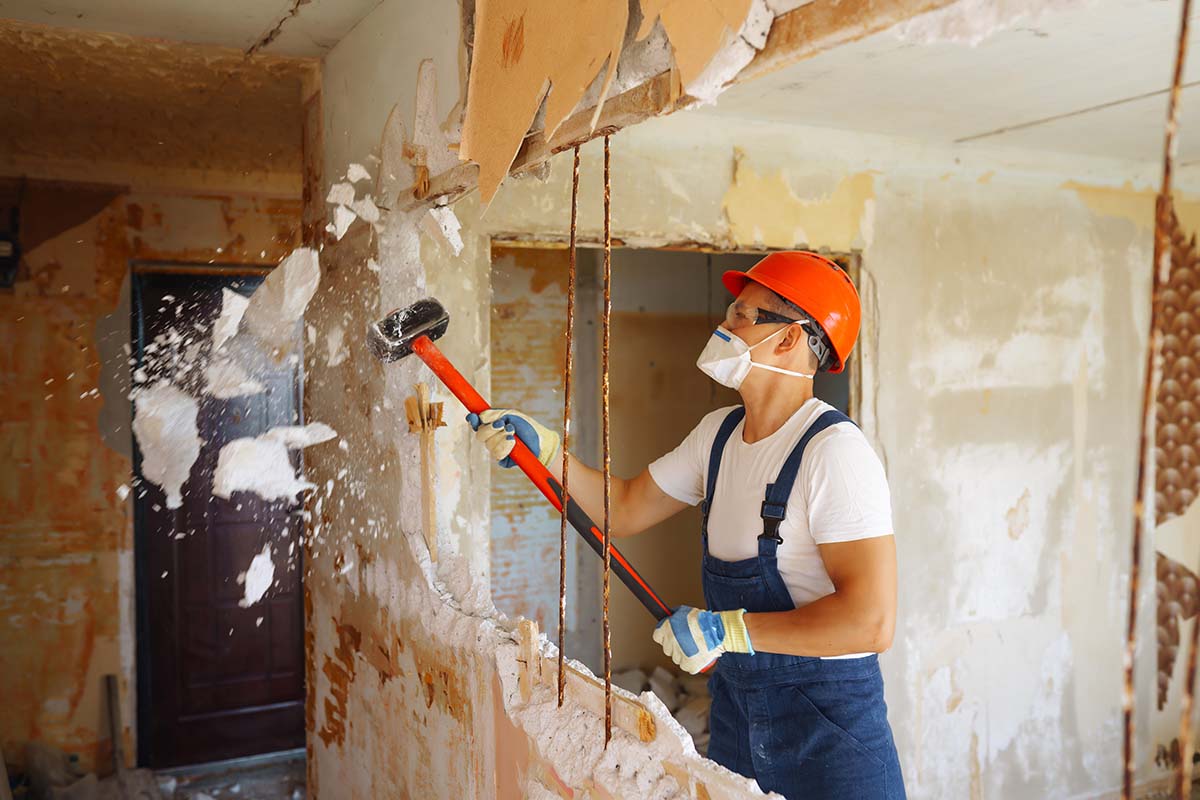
(694, 638)
(497, 427)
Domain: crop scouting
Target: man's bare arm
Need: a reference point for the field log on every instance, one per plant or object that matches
(637, 503)
(859, 617)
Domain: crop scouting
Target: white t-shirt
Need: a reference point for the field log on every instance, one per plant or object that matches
(840, 495)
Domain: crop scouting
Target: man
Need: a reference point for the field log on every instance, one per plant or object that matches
(799, 561)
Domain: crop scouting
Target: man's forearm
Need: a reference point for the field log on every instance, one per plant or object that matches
(586, 487)
(834, 625)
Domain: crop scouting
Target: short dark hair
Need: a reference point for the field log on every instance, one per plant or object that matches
(818, 340)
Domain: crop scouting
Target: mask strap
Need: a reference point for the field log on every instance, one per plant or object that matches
(781, 371)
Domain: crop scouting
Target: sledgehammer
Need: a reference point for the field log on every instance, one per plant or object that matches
(412, 330)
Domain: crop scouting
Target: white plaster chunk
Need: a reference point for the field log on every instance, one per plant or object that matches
(233, 306)
(356, 173)
(297, 436)
(441, 223)
(366, 210)
(257, 578)
(225, 378)
(262, 464)
(341, 194)
(342, 218)
(165, 426)
(335, 343)
(281, 299)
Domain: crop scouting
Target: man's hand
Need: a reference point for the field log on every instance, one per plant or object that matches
(498, 428)
(694, 638)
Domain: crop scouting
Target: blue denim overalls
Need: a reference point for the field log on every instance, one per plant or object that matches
(808, 728)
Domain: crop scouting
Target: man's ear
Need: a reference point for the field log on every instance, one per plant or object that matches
(795, 335)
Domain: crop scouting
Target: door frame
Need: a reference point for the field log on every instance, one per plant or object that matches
(144, 704)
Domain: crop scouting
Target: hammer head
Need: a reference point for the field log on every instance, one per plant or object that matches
(391, 338)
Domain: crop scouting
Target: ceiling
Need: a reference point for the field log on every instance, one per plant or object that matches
(315, 28)
(1091, 79)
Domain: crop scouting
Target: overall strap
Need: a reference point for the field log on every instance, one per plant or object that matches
(774, 507)
(714, 460)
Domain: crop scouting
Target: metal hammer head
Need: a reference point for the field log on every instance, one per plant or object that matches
(391, 338)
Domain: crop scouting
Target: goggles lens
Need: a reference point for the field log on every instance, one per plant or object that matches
(740, 315)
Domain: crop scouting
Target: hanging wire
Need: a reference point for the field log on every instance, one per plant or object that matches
(568, 365)
(606, 319)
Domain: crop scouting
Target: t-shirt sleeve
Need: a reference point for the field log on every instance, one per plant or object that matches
(681, 472)
(848, 496)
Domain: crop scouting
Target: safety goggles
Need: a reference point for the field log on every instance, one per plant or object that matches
(739, 315)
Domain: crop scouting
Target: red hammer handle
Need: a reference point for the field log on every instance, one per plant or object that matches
(549, 486)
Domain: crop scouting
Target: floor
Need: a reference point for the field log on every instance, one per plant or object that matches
(278, 776)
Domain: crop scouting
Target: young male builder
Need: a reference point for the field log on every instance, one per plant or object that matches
(799, 560)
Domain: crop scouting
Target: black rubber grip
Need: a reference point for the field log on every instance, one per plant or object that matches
(592, 534)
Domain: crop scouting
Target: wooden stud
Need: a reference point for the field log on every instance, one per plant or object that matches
(425, 418)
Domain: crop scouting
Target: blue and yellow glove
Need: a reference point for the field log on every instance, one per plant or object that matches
(498, 428)
(694, 638)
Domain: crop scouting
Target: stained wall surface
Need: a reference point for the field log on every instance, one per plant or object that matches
(197, 161)
(66, 531)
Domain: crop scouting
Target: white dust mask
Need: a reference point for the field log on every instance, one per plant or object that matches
(726, 358)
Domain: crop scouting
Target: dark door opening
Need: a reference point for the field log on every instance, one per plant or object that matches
(215, 680)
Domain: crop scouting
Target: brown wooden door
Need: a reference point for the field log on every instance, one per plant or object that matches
(215, 680)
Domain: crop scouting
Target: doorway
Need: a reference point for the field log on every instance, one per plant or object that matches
(215, 680)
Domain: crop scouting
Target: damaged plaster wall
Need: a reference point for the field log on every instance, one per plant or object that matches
(66, 525)
(1006, 302)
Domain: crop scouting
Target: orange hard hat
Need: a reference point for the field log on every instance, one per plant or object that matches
(817, 285)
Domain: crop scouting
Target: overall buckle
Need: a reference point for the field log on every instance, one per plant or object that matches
(772, 516)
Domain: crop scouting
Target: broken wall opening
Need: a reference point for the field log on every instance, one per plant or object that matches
(665, 303)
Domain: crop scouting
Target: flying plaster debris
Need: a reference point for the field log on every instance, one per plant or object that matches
(233, 306)
(335, 342)
(257, 578)
(356, 173)
(342, 218)
(366, 209)
(341, 194)
(441, 223)
(164, 423)
(262, 464)
(225, 378)
(280, 301)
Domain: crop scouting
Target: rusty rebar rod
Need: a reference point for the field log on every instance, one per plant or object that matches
(1150, 381)
(606, 326)
(568, 365)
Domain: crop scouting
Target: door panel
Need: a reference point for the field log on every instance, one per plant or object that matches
(215, 680)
